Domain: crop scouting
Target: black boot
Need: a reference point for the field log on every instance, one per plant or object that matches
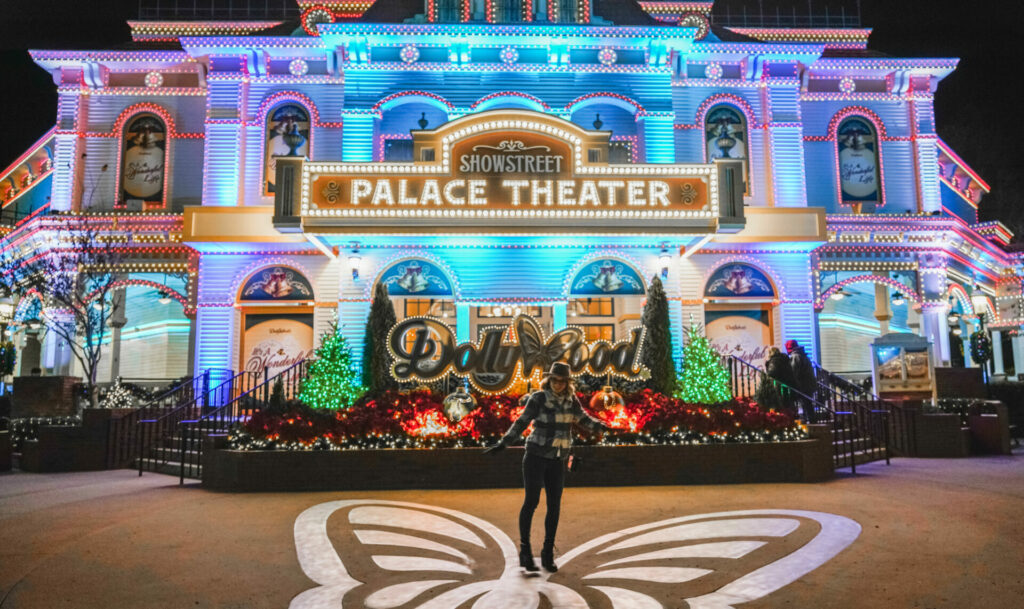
(547, 557)
(526, 558)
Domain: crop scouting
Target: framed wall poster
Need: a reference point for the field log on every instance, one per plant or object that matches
(857, 147)
(287, 135)
(276, 341)
(143, 161)
(745, 334)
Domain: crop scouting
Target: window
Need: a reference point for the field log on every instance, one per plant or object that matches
(449, 11)
(432, 306)
(507, 311)
(287, 135)
(566, 11)
(725, 135)
(398, 150)
(596, 332)
(143, 162)
(508, 11)
(857, 151)
(620, 152)
(592, 307)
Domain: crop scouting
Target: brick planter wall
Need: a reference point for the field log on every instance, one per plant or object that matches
(468, 468)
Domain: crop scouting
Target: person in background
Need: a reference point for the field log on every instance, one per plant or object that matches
(778, 368)
(553, 411)
(803, 373)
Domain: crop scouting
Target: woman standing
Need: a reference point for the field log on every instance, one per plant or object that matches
(553, 411)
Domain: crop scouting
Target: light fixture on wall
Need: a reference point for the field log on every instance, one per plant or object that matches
(665, 258)
(163, 297)
(354, 260)
(957, 331)
(897, 298)
(98, 305)
(839, 294)
(953, 318)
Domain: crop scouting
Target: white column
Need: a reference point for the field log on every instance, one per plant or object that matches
(882, 311)
(936, 329)
(997, 353)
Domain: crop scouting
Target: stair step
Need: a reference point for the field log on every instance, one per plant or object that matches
(171, 468)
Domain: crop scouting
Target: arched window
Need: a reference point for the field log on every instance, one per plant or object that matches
(287, 134)
(725, 136)
(857, 150)
(143, 162)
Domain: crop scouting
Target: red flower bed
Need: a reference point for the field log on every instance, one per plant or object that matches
(417, 419)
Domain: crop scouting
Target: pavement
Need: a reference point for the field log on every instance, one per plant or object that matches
(925, 533)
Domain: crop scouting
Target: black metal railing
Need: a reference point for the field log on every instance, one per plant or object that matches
(217, 9)
(243, 404)
(901, 427)
(806, 14)
(156, 434)
(860, 429)
(123, 445)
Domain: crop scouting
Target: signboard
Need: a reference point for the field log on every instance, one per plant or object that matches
(528, 170)
(276, 342)
(424, 349)
(743, 334)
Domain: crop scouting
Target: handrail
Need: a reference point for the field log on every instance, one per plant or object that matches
(901, 433)
(121, 436)
(153, 432)
(193, 431)
(854, 428)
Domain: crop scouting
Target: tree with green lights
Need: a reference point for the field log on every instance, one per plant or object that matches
(704, 379)
(657, 350)
(331, 382)
(376, 359)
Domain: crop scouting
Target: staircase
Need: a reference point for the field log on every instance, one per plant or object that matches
(861, 424)
(159, 441)
(226, 414)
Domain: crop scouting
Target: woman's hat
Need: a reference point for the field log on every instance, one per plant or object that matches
(559, 370)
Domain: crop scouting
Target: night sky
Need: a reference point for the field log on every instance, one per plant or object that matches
(977, 113)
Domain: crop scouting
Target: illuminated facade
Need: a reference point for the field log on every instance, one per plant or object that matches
(484, 158)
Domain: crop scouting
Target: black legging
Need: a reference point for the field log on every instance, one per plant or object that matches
(540, 472)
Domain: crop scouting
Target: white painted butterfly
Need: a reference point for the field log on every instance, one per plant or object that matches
(408, 555)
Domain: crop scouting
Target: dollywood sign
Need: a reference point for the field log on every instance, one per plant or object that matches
(424, 349)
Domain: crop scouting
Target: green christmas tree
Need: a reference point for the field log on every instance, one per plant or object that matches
(331, 381)
(657, 350)
(704, 379)
(376, 360)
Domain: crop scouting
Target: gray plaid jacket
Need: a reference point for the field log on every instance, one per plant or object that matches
(552, 425)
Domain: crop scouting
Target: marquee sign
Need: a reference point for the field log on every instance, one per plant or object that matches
(505, 169)
(424, 349)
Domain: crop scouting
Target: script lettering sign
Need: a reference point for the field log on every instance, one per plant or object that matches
(424, 349)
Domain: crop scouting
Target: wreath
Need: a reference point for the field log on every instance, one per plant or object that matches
(981, 347)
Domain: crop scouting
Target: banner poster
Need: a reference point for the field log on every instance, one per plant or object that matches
(858, 161)
(142, 171)
(745, 334)
(276, 341)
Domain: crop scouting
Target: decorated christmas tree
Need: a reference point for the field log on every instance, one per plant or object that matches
(376, 360)
(657, 350)
(331, 382)
(704, 380)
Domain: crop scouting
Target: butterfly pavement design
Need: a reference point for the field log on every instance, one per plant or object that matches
(398, 555)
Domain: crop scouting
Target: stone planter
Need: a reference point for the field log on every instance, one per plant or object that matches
(468, 468)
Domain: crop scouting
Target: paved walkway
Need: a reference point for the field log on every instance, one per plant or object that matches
(921, 533)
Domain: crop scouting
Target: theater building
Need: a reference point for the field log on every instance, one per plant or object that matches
(484, 159)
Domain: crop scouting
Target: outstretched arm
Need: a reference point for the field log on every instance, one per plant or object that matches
(529, 413)
(585, 420)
